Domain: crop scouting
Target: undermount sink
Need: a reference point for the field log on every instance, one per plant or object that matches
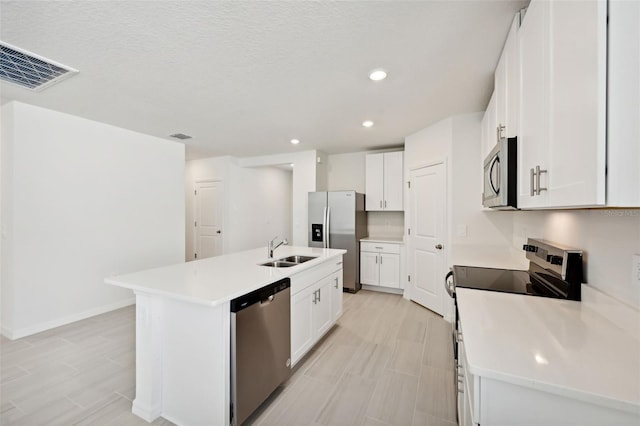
(279, 264)
(297, 259)
(289, 261)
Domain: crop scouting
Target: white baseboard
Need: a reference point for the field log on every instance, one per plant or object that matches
(382, 289)
(43, 326)
(148, 414)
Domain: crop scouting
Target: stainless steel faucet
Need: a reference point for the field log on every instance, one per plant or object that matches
(272, 245)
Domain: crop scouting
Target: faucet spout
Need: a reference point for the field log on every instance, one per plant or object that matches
(272, 246)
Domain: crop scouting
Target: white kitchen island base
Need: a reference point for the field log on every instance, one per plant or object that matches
(183, 327)
(182, 361)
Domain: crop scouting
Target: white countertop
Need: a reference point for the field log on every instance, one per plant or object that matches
(392, 240)
(558, 346)
(215, 280)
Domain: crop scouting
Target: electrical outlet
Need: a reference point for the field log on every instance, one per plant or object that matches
(635, 269)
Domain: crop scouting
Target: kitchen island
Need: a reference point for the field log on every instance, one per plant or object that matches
(183, 326)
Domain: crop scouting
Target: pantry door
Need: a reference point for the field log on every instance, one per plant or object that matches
(208, 218)
(426, 260)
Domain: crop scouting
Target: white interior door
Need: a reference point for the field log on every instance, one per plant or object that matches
(208, 221)
(427, 224)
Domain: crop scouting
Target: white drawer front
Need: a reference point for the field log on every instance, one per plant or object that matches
(380, 247)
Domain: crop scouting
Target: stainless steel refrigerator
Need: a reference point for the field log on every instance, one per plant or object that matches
(337, 219)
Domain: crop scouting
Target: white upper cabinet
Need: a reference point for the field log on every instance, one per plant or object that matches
(489, 128)
(384, 189)
(507, 85)
(562, 120)
(623, 103)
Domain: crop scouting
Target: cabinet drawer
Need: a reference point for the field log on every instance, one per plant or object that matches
(380, 247)
(304, 279)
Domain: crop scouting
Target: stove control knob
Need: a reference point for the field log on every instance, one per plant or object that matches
(529, 248)
(554, 260)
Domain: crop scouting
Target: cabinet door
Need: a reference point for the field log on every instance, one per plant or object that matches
(500, 94)
(374, 182)
(512, 82)
(576, 150)
(302, 337)
(369, 268)
(563, 100)
(336, 295)
(322, 318)
(393, 181)
(489, 127)
(390, 270)
(532, 142)
(507, 82)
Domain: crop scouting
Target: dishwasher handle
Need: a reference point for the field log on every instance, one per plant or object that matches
(263, 295)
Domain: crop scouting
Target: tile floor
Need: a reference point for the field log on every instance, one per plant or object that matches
(387, 362)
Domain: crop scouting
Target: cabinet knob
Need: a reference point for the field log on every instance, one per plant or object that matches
(438, 246)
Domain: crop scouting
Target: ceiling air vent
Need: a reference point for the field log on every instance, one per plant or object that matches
(180, 136)
(29, 70)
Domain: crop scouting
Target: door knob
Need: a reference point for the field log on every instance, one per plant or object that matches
(218, 232)
(439, 246)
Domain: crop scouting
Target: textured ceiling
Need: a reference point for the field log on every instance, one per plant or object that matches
(244, 77)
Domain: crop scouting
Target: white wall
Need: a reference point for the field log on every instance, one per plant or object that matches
(261, 202)
(608, 238)
(456, 140)
(81, 201)
(305, 176)
(346, 172)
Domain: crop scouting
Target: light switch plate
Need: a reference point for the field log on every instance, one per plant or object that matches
(635, 269)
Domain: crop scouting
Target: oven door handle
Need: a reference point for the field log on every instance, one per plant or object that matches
(448, 285)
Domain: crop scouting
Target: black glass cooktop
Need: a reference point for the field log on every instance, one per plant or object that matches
(503, 280)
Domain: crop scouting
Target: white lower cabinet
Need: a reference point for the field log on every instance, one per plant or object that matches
(337, 284)
(492, 402)
(380, 264)
(316, 304)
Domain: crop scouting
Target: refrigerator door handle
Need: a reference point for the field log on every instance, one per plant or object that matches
(324, 228)
(328, 228)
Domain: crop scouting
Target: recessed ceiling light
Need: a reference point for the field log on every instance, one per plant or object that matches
(367, 123)
(377, 75)
(295, 141)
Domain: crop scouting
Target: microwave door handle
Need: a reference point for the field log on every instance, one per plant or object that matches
(496, 161)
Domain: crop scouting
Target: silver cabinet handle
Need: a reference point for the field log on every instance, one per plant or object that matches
(336, 283)
(438, 246)
(538, 173)
(319, 294)
(499, 130)
(315, 300)
(376, 260)
(532, 182)
(380, 203)
(385, 204)
(381, 259)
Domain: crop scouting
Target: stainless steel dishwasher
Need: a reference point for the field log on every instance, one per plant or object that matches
(260, 346)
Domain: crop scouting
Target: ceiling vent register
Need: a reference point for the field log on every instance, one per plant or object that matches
(26, 69)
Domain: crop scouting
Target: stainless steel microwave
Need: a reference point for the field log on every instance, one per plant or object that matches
(500, 176)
